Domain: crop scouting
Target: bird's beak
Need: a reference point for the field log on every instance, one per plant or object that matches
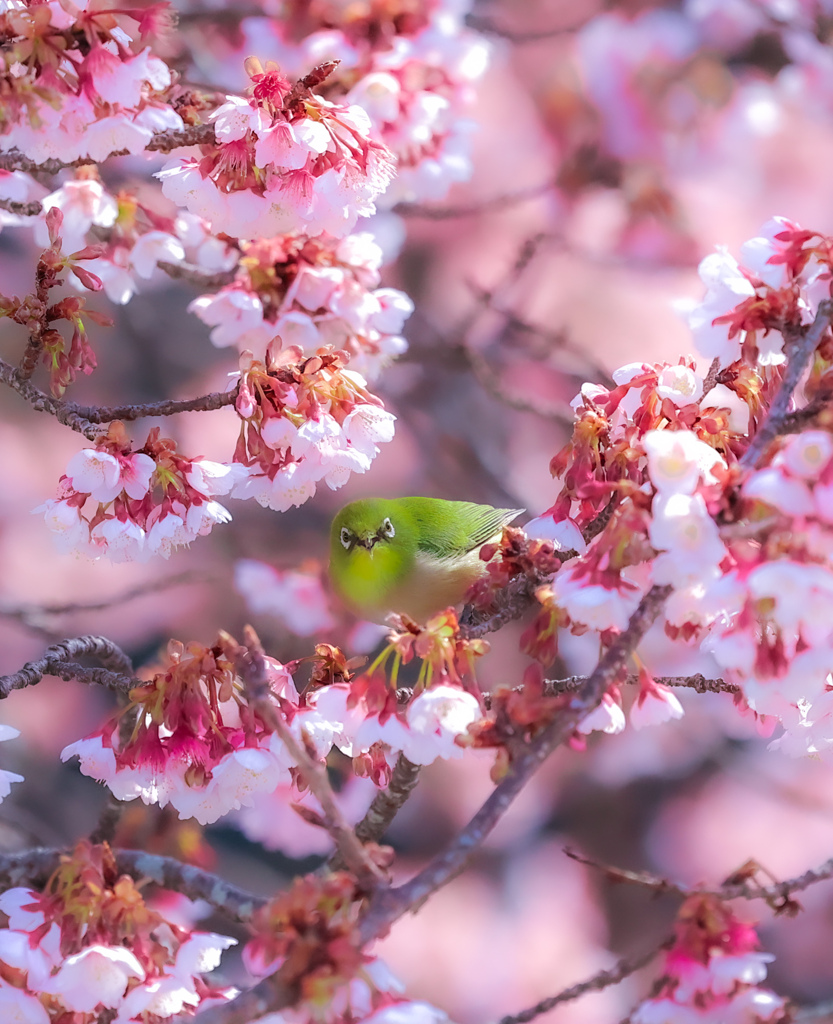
(367, 542)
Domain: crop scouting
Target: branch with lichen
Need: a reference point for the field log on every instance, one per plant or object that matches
(59, 660)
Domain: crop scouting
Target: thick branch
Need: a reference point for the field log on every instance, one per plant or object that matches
(390, 904)
(167, 407)
(84, 418)
(384, 808)
(41, 402)
(602, 980)
(21, 209)
(799, 355)
(512, 602)
(58, 660)
(696, 682)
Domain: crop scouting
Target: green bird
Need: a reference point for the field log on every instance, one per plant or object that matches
(411, 555)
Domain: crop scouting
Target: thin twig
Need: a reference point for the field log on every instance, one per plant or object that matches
(251, 666)
(804, 344)
(387, 905)
(22, 209)
(195, 275)
(58, 660)
(492, 203)
(604, 979)
(161, 142)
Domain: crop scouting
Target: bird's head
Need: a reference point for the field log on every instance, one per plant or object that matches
(372, 544)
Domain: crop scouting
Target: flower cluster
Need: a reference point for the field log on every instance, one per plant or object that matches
(744, 548)
(310, 292)
(130, 504)
(88, 945)
(296, 598)
(304, 421)
(74, 85)
(192, 739)
(712, 973)
(411, 67)
(285, 160)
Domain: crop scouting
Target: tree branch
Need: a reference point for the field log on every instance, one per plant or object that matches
(251, 666)
(384, 808)
(801, 351)
(195, 275)
(387, 905)
(58, 661)
(696, 682)
(166, 407)
(604, 979)
(34, 867)
(161, 142)
(41, 402)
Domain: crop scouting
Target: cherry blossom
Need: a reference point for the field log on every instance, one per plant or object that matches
(7, 777)
(310, 292)
(130, 505)
(90, 944)
(195, 744)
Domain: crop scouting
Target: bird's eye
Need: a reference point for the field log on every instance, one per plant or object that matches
(387, 529)
(346, 538)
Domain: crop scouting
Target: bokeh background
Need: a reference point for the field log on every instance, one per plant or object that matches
(614, 145)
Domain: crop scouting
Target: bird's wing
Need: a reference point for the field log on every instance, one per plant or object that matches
(487, 522)
(465, 527)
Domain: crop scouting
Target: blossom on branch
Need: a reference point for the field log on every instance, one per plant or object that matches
(284, 160)
(310, 292)
(131, 504)
(87, 944)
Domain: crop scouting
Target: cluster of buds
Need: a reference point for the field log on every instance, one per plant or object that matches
(712, 972)
(64, 360)
(304, 420)
(310, 292)
(137, 239)
(88, 945)
(411, 66)
(284, 159)
(74, 87)
(133, 503)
